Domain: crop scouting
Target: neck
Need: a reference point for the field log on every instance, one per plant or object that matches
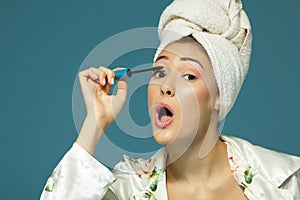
(204, 160)
(190, 167)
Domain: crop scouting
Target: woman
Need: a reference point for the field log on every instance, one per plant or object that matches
(205, 52)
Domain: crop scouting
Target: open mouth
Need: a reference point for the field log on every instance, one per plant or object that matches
(164, 116)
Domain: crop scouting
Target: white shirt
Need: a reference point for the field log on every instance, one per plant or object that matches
(261, 173)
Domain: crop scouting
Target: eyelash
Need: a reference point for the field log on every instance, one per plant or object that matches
(159, 72)
(162, 74)
(190, 76)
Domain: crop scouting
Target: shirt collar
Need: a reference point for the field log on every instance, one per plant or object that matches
(273, 166)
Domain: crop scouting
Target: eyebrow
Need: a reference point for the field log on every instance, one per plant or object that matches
(184, 59)
(162, 57)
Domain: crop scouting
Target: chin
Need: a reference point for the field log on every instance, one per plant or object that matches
(164, 136)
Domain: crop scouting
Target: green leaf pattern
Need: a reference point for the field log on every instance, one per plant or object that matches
(51, 182)
(149, 194)
(249, 173)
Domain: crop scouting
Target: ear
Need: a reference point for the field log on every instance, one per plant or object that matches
(217, 103)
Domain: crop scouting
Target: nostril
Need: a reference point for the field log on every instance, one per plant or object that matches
(168, 92)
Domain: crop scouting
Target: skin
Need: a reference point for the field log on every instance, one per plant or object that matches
(194, 80)
(188, 176)
(95, 84)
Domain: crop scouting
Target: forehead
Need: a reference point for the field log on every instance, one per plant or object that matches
(187, 47)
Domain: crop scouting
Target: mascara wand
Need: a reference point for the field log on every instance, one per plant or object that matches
(120, 73)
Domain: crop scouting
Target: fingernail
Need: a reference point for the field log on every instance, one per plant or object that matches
(103, 81)
(112, 81)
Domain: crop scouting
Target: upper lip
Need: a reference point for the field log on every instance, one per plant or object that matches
(164, 105)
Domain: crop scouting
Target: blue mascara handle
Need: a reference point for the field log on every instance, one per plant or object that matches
(120, 73)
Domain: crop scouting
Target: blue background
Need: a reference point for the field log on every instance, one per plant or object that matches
(43, 43)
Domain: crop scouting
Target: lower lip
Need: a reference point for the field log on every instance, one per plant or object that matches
(161, 124)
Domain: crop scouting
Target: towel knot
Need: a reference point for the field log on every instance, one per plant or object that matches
(224, 18)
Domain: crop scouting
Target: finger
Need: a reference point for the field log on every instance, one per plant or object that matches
(102, 90)
(100, 75)
(102, 72)
(109, 74)
(104, 75)
(87, 75)
(93, 76)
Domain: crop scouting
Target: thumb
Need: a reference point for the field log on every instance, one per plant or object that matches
(122, 90)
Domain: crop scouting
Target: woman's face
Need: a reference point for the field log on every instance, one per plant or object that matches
(182, 95)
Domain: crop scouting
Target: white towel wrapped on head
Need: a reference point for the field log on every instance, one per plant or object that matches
(223, 29)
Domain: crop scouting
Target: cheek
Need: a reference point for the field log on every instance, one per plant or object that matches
(198, 91)
(151, 89)
(203, 97)
(195, 102)
(153, 93)
(205, 106)
(189, 104)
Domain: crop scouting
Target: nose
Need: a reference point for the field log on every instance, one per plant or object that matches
(165, 91)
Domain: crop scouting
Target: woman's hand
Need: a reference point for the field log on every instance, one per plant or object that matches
(102, 108)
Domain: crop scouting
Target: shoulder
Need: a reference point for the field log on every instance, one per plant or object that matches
(274, 166)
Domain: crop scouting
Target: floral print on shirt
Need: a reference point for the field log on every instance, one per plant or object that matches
(243, 175)
(151, 175)
(248, 175)
(51, 182)
(155, 177)
(149, 178)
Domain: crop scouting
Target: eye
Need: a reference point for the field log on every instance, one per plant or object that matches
(159, 74)
(189, 77)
